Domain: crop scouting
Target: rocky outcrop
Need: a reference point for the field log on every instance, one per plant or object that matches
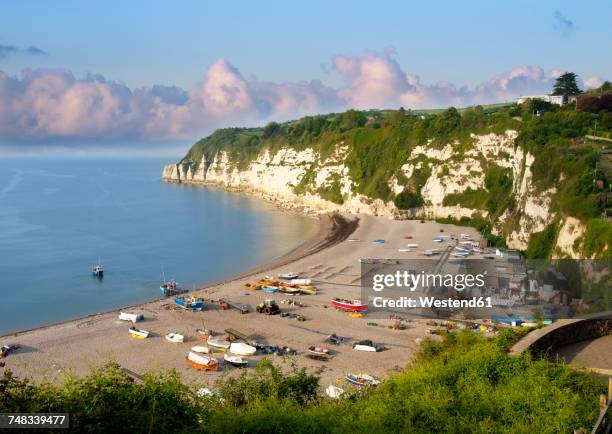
(296, 179)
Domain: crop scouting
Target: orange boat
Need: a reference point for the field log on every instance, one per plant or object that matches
(202, 362)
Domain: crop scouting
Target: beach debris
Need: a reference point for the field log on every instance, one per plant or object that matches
(335, 339)
(175, 337)
(372, 324)
(226, 304)
(5, 350)
(292, 302)
(362, 380)
(291, 315)
(133, 317)
(355, 315)
(334, 392)
(269, 307)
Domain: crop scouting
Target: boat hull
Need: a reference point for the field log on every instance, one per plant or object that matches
(344, 305)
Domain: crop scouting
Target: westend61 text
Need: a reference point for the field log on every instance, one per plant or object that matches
(429, 302)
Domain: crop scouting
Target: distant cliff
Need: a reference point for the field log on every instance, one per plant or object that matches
(476, 168)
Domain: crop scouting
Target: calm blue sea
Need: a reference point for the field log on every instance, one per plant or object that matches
(57, 216)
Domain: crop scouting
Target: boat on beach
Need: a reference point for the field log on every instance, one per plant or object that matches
(191, 303)
(218, 343)
(318, 351)
(175, 337)
(171, 288)
(236, 361)
(308, 289)
(138, 333)
(200, 349)
(202, 362)
(288, 276)
(349, 305)
(133, 317)
(242, 349)
(366, 345)
(362, 380)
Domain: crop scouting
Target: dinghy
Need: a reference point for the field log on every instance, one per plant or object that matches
(200, 349)
(218, 343)
(202, 362)
(242, 349)
(288, 276)
(334, 392)
(236, 361)
(175, 337)
(318, 351)
(362, 380)
(138, 334)
(366, 345)
(133, 317)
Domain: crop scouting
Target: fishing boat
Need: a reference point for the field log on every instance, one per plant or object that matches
(318, 351)
(218, 343)
(97, 270)
(236, 361)
(349, 305)
(200, 349)
(175, 337)
(202, 362)
(334, 392)
(138, 333)
(171, 288)
(362, 380)
(288, 276)
(242, 349)
(191, 303)
(133, 317)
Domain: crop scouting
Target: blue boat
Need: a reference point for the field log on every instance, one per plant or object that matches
(269, 289)
(509, 320)
(171, 288)
(191, 303)
(379, 241)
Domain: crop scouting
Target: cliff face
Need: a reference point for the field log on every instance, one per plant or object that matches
(453, 175)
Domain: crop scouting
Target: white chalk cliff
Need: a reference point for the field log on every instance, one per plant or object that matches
(452, 169)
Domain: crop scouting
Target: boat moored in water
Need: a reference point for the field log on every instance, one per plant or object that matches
(97, 270)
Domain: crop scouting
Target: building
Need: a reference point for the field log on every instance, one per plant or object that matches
(553, 99)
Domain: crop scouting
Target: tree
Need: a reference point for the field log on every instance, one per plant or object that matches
(566, 85)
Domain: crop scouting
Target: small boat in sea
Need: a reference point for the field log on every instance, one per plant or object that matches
(200, 349)
(175, 337)
(242, 349)
(138, 333)
(334, 392)
(362, 380)
(202, 362)
(236, 361)
(288, 276)
(349, 305)
(97, 270)
(191, 303)
(218, 343)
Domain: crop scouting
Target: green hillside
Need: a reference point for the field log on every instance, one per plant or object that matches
(380, 142)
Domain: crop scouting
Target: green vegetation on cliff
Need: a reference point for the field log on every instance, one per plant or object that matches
(464, 383)
(379, 143)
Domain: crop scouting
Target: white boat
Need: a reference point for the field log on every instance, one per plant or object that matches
(242, 349)
(301, 281)
(334, 392)
(236, 361)
(412, 246)
(138, 334)
(218, 343)
(175, 337)
(133, 317)
(405, 250)
(200, 349)
(288, 276)
(202, 362)
(368, 348)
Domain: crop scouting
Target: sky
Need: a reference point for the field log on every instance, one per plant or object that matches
(88, 75)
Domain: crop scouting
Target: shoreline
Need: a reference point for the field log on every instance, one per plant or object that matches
(332, 229)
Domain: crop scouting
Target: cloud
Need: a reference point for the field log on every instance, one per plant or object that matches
(7, 50)
(562, 24)
(53, 106)
(594, 82)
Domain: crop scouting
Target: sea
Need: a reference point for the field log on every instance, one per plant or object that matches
(59, 216)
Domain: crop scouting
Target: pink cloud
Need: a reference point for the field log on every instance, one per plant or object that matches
(51, 104)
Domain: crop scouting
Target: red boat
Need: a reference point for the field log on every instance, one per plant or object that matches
(350, 305)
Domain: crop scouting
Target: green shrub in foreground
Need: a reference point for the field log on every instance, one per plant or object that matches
(464, 383)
